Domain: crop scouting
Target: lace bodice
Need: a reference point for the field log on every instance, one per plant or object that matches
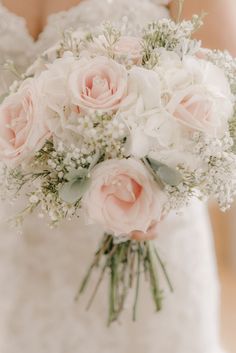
(40, 272)
(17, 44)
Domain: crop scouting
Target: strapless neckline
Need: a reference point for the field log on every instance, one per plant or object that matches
(49, 20)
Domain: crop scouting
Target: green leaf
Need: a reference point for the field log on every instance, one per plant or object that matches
(76, 174)
(74, 190)
(167, 174)
(170, 176)
(155, 164)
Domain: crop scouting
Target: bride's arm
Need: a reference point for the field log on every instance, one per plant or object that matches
(219, 30)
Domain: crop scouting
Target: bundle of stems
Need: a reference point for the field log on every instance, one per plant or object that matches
(125, 263)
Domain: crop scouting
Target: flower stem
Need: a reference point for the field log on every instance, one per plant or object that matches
(164, 270)
(137, 283)
(105, 245)
(156, 293)
(124, 262)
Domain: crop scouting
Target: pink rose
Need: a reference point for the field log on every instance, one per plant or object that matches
(204, 102)
(98, 84)
(123, 197)
(198, 110)
(129, 47)
(22, 128)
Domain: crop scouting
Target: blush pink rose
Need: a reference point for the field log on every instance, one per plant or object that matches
(22, 128)
(129, 47)
(202, 100)
(198, 110)
(123, 197)
(98, 84)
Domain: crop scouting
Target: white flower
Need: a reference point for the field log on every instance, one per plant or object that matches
(41, 63)
(57, 100)
(143, 103)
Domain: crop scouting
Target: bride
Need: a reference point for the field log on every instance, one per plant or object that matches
(41, 269)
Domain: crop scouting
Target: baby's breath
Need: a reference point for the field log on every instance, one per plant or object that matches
(167, 34)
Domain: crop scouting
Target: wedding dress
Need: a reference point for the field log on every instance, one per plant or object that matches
(41, 269)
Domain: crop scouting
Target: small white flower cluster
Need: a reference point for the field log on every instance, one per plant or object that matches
(218, 175)
(171, 36)
(227, 63)
(212, 148)
(101, 132)
(221, 180)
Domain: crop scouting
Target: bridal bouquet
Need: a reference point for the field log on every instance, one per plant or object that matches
(122, 129)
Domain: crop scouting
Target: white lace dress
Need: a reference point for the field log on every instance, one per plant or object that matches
(41, 269)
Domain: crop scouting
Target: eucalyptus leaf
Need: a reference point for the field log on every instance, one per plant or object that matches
(167, 174)
(153, 172)
(73, 190)
(156, 165)
(76, 174)
(82, 173)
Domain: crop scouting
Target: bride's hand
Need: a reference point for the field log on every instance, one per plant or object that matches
(219, 30)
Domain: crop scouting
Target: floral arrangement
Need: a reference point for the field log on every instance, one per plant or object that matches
(122, 128)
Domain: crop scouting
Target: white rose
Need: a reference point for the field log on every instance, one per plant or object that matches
(57, 101)
(42, 62)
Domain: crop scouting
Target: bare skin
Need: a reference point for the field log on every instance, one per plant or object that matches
(219, 30)
(36, 12)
